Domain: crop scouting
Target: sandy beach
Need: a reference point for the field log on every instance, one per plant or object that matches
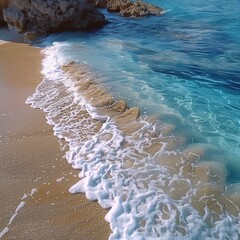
(35, 177)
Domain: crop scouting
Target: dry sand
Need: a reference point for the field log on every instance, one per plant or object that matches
(30, 158)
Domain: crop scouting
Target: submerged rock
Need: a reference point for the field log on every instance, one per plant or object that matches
(40, 17)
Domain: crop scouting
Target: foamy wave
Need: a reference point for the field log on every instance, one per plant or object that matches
(155, 185)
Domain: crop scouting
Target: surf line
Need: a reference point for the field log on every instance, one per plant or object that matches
(127, 159)
(190, 175)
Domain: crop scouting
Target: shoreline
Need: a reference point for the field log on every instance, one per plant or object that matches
(135, 148)
(36, 203)
(122, 133)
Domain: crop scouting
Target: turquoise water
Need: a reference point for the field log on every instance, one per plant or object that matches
(188, 60)
(184, 68)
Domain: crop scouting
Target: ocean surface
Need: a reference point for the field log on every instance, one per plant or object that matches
(173, 173)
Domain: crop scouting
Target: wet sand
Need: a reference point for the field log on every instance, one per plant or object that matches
(33, 171)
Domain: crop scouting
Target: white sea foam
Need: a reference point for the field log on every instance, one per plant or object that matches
(4, 231)
(33, 191)
(19, 207)
(60, 179)
(153, 190)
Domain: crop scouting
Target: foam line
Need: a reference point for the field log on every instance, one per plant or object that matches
(17, 210)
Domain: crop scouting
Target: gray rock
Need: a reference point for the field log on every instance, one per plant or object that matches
(44, 16)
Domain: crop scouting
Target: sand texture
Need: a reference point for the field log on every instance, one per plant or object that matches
(35, 178)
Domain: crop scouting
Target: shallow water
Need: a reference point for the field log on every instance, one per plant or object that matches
(174, 172)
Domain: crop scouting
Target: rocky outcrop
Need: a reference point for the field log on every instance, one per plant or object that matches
(140, 9)
(118, 5)
(128, 8)
(38, 17)
(3, 5)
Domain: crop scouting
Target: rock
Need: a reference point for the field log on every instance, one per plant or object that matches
(42, 17)
(3, 5)
(128, 8)
(30, 37)
(99, 3)
(118, 5)
(140, 9)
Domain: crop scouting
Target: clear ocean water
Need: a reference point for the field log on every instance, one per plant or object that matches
(184, 69)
